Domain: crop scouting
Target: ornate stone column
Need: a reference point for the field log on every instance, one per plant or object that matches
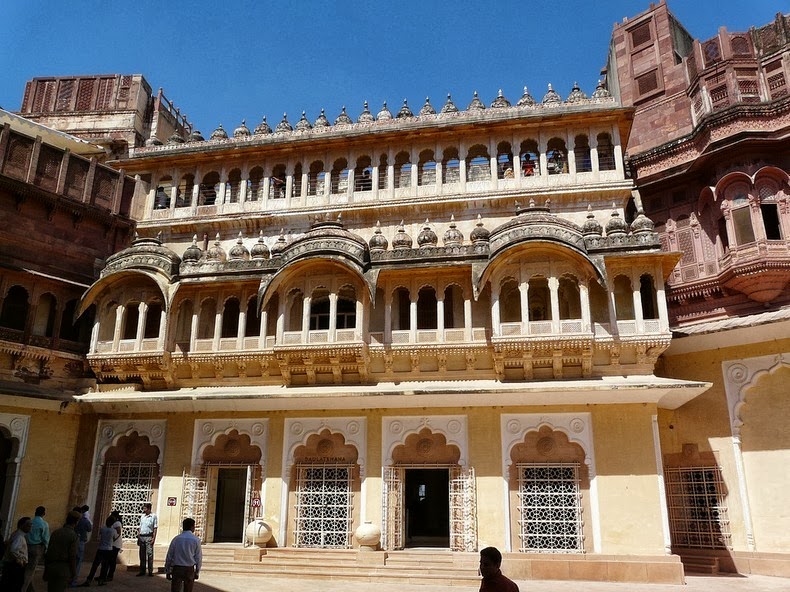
(332, 317)
(306, 319)
(142, 316)
(554, 296)
(120, 313)
(413, 317)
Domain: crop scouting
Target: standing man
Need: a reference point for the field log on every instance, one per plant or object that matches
(84, 527)
(493, 580)
(37, 541)
(60, 562)
(184, 557)
(117, 543)
(15, 557)
(146, 539)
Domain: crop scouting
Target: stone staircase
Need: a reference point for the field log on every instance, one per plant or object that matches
(701, 564)
(414, 566)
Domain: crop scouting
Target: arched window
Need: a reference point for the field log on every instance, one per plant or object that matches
(363, 174)
(131, 320)
(346, 308)
(319, 310)
(107, 326)
(252, 327)
(164, 189)
(569, 298)
(581, 152)
(339, 176)
(769, 211)
(402, 170)
(630, 211)
(255, 184)
(230, 318)
(209, 187)
(153, 318)
(297, 180)
(315, 178)
(453, 307)
(599, 303)
(15, 307)
(427, 171)
(509, 302)
(623, 298)
(277, 182)
(294, 309)
(451, 166)
(478, 164)
(539, 299)
(740, 212)
(208, 312)
(69, 330)
(647, 292)
(426, 308)
(605, 153)
(529, 158)
(185, 188)
(504, 161)
(184, 324)
(383, 171)
(401, 313)
(44, 322)
(557, 156)
(233, 186)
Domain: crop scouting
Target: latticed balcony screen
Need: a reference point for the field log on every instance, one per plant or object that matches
(323, 506)
(698, 515)
(550, 512)
(127, 486)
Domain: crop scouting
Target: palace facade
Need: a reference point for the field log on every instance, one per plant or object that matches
(466, 324)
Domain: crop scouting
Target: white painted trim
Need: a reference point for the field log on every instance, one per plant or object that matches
(18, 427)
(396, 429)
(662, 492)
(577, 427)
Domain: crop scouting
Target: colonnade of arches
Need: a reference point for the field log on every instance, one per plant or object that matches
(393, 171)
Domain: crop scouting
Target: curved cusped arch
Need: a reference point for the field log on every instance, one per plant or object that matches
(218, 432)
(298, 433)
(397, 430)
(110, 432)
(773, 173)
(741, 376)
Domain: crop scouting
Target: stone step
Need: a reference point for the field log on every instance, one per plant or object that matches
(700, 564)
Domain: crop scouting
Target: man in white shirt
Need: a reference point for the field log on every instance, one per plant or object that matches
(184, 558)
(146, 539)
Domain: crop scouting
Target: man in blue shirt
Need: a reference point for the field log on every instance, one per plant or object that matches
(83, 528)
(149, 524)
(184, 558)
(37, 541)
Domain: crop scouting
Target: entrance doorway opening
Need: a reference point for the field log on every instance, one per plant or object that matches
(427, 507)
(229, 515)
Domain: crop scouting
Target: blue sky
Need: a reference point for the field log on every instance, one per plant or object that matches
(221, 62)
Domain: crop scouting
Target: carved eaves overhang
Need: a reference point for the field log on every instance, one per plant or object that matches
(148, 257)
(755, 124)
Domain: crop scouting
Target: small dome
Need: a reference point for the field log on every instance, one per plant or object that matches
(576, 94)
(427, 237)
(303, 125)
(601, 91)
(366, 116)
(321, 121)
(262, 128)
(616, 226)
(196, 136)
(642, 224)
(378, 242)
(259, 250)
(284, 126)
(219, 134)
(216, 252)
(526, 100)
(384, 114)
(551, 97)
(591, 226)
(480, 234)
(239, 251)
(427, 108)
(242, 131)
(175, 139)
(476, 104)
(401, 240)
(343, 118)
(405, 111)
(153, 141)
(280, 245)
(193, 253)
(500, 101)
(452, 235)
(449, 106)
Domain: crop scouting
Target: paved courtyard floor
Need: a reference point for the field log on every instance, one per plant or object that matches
(126, 581)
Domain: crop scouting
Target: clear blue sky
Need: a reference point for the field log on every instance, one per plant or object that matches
(221, 62)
